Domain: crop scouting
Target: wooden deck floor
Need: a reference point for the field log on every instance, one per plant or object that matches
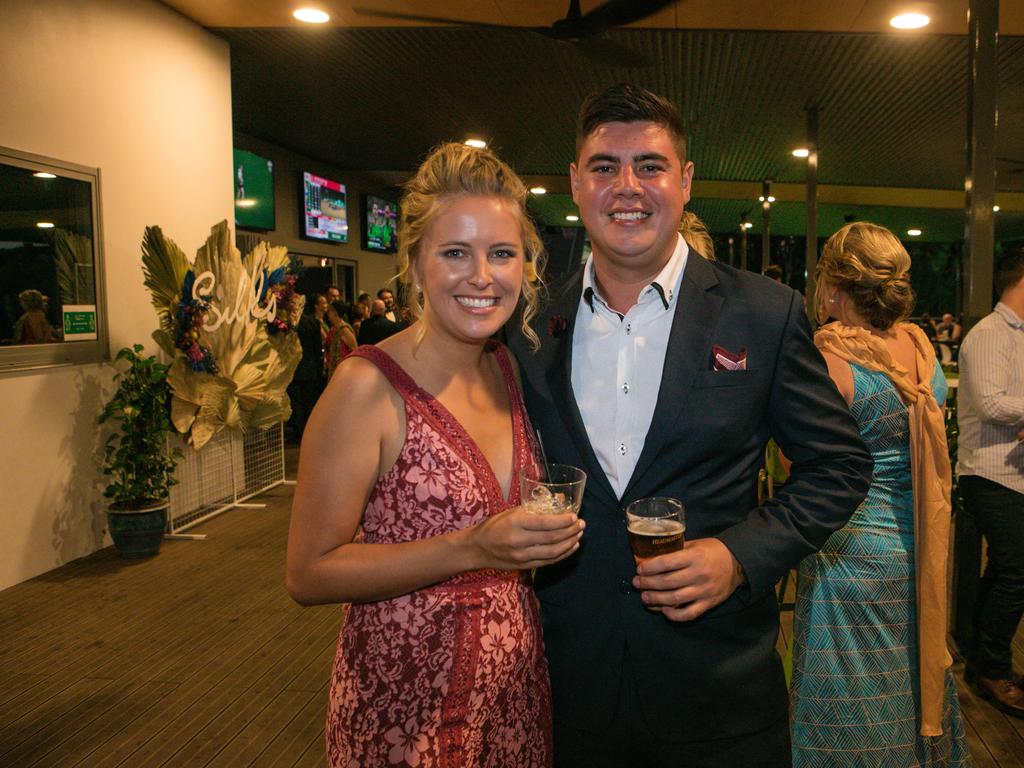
(198, 657)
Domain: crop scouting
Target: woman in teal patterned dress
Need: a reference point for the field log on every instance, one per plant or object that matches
(871, 678)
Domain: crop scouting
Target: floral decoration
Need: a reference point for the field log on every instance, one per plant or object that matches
(190, 316)
(225, 322)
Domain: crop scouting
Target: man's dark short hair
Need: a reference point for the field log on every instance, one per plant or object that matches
(774, 271)
(624, 103)
(1009, 271)
(382, 291)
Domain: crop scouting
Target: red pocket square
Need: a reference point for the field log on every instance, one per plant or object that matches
(724, 360)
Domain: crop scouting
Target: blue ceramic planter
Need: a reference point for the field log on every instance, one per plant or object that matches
(137, 533)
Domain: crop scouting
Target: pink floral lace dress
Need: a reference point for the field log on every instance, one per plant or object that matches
(452, 675)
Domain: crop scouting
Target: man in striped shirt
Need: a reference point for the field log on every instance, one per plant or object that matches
(991, 470)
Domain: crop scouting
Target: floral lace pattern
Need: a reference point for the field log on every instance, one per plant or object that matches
(452, 675)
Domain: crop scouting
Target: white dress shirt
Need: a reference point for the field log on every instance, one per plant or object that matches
(617, 362)
(990, 405)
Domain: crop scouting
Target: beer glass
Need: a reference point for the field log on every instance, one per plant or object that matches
(552, 489)
(655, 527)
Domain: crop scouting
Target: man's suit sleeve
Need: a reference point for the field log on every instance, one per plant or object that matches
(831, 467)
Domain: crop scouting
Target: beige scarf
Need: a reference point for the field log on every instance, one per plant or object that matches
(932, 479)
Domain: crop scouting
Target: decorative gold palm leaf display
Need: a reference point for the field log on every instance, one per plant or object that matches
(73, 262)
(228, 322)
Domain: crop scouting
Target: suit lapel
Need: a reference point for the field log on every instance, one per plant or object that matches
(688, 351)
(564, 304)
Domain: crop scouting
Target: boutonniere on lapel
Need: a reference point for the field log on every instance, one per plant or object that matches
(557, 326)
(724, 360)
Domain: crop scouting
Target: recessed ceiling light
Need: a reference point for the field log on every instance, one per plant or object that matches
(909, 21)
(538, 191)
(44, 175)
(478, 143)
(311, 15)
(245, 202)
(914, 232)
(571, 217)
(44, 224)
(995, 209)
(801, 152)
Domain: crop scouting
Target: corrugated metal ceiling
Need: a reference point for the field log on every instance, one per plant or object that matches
(893, 109)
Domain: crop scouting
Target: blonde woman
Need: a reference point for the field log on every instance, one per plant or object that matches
(871, 679)
(440, 660)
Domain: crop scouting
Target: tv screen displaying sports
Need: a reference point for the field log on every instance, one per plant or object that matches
(325, 212)
(254, 191)
(380, 224)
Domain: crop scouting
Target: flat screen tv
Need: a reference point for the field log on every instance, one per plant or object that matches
(380, 224)
(324, 210)
(254, 191)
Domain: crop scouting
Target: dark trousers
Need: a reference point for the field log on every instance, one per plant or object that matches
(999, 514)
(630, 743)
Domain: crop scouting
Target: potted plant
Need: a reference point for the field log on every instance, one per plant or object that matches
(136, 457)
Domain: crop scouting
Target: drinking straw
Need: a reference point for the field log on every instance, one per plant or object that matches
(543, 454)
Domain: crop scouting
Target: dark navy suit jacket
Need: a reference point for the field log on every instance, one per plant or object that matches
(719, 675)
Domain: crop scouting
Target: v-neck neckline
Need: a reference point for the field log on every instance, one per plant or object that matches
(458, 435)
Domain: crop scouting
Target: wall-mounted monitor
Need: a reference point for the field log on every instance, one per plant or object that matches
(380, 224)
(254, 191)
(324, 209)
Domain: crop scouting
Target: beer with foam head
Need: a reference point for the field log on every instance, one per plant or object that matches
(653, 537)
(655, 526)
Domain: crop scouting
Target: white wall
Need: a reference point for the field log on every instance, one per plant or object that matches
(143, 94)
(375, 269)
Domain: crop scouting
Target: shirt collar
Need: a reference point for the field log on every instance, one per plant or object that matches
(1009, 316)
(665, 286)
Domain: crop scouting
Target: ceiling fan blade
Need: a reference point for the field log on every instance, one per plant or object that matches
(614, 13)
(428, 19)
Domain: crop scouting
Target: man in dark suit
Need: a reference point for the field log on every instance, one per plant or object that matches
(663, 373)
(376, 327)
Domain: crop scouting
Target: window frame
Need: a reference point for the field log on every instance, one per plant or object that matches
(41, 357)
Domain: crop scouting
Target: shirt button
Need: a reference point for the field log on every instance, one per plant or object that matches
(625, 388)
(628, 328)
(624, 587)
(622, 449)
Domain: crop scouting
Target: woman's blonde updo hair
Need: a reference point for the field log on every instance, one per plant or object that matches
(454, 170)
(870, 265)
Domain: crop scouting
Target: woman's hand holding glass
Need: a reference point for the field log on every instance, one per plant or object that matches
(517, 539)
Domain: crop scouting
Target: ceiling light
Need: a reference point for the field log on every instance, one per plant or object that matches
(44, 224)
(572, 217)
(801, 152)
(311, 16)
(538, 191)
(44, 175)
(909, 21)
(478, 143)
(245, 202)
(914, 232)
(760, 199)
(771, 198)
(995, 209)
(746, 225)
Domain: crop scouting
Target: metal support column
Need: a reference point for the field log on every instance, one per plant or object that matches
(979, 247)
(980, 183)
(744, 226)
(811, 246)
(766, 212)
